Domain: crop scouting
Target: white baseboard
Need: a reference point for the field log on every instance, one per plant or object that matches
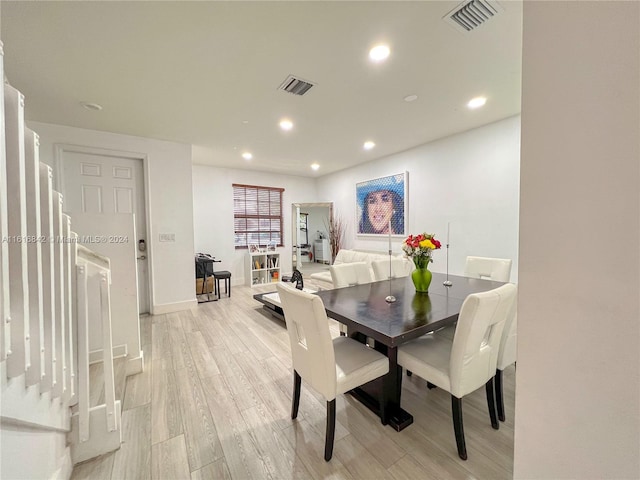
(96, 356)
(135, 364)
(173, 307)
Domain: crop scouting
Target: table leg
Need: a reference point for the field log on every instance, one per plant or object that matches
(391, 386)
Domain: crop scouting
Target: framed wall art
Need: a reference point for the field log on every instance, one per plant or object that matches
(381, 205)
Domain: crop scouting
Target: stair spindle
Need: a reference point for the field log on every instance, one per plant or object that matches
(20, 358)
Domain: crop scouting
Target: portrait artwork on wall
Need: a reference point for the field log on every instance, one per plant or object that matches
(380, 201)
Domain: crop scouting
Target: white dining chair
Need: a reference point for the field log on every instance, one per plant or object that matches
(497, 269)
(400, 267)
(347, 275)
(506, 357)
(330, 366)
(466, 363)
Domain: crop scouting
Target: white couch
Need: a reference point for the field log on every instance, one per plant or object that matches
(348, 256)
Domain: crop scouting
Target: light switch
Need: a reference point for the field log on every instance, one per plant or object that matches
(167, 237)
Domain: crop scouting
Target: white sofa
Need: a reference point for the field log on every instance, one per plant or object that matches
(348, 256)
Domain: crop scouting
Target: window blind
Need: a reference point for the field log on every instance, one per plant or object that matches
(257, 215)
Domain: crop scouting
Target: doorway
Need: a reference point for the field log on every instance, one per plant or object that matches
(94, 181)
(310, 236)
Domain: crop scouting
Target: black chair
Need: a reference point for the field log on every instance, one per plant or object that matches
(222, 275)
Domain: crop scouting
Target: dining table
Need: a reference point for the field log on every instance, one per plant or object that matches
(365, 311)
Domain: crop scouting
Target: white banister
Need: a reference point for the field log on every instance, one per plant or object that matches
(107, 349)
(55, 304)
(70, 281)
(82, 299)
(74, 320)
(96, 430)
(5, 308)
(48, 277)
(58, 358)
(66, 289)
(19, 357)
(34, 256)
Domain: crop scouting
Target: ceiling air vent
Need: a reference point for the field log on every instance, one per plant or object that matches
(471, 14)
(295, 85)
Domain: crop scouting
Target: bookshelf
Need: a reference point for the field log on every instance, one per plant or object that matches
(262, 268)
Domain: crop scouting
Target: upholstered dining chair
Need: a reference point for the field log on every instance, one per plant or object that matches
(466, 363)
(497, 269)
(348, 274)
(400, 267)
(506, 357)
(330, 366)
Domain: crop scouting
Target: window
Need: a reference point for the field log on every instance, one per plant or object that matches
(257, 215)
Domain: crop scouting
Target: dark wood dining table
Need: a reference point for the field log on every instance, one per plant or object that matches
(366, 313)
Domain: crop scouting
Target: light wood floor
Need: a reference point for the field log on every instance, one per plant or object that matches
(214, 402)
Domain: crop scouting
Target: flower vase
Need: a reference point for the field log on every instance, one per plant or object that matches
(421, 277)
(421, 305)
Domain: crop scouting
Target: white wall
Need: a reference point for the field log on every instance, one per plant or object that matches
(470, 180)
(168, 166)
(578, 372)
(213, 213)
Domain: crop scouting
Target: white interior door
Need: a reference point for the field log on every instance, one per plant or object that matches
(109, 184)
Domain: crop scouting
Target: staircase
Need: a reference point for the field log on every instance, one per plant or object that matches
(54, 297)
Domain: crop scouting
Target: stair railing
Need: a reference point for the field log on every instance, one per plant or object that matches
(54, 295)
(98, 428)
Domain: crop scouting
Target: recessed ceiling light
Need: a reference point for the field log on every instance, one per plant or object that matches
(91, 106)
(245, 122)
(477, 102)
(247, 155)
(315, 166)
(410, 98)
(286, 124)
(369, 145)
(379, 53)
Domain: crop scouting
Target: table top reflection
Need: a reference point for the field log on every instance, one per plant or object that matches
(363, 308)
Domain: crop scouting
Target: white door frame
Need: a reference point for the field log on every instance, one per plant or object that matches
(61, 148)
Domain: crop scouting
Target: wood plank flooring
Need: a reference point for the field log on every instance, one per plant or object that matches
(214, 403)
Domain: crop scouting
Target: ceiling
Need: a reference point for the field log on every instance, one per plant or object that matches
(207, 74)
